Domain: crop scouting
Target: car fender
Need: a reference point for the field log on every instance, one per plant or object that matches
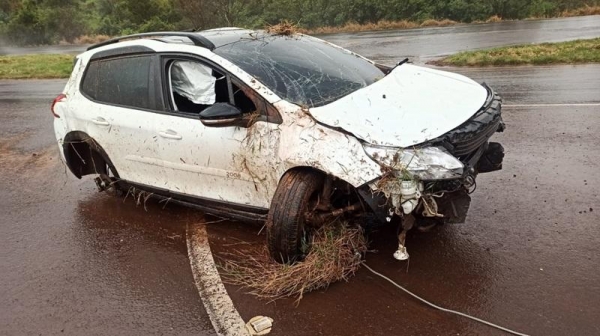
(269, 150)
(305, 142)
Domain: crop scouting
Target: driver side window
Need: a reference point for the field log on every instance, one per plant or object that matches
(195, 86)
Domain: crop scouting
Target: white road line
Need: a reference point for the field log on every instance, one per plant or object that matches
(224, 317)
(551, 105)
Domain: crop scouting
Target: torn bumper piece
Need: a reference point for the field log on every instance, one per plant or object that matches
(394, 194)
(452, 207)
(399, 194)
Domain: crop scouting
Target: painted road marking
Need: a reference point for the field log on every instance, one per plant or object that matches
(551, 105)
(224, 317)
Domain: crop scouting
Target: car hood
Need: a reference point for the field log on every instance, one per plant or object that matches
(409, 106)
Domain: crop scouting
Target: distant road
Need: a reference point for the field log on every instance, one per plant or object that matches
(423, 44)
(57, 49)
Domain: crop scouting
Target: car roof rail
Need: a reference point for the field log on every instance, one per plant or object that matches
(197, 39)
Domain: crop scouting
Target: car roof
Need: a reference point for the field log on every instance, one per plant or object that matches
(223, 36)
(210, 39)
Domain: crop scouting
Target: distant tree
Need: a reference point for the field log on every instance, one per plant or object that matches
(131, 16)
(203, 14)
(43, 21)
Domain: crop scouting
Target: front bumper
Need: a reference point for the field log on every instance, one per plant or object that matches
(448, 199)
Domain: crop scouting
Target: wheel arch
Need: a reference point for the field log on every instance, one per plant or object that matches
(375, 202)
(337, 181)
(315, 170)
(84, 155)
(304, 168)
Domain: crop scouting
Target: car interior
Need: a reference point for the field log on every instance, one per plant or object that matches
(195, 87)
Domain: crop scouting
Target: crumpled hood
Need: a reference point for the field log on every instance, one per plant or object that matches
(409, 106)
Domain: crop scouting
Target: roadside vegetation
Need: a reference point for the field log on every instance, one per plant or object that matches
(579, 51)
(35, 66)
(39, 22)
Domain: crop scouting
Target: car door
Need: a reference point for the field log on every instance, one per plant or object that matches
(211, 162)
(115, 107)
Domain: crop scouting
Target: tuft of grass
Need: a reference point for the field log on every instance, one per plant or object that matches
(438, 23)
(572, 52)
(493, 19)
(284, 27)
(36, 66)
(335, 253)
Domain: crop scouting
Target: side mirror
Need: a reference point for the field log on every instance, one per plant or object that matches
(222, 115)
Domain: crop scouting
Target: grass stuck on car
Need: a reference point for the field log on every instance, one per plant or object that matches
(285, 129)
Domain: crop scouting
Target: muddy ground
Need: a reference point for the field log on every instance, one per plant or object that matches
(74, 260)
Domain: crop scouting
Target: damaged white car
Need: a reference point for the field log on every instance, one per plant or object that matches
(290, 130)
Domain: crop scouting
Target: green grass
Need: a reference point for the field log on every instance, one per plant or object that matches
(35, 66)
(579, 51)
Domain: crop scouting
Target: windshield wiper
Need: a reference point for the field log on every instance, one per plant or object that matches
(400, 63)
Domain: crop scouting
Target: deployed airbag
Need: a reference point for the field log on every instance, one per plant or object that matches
(193, 81)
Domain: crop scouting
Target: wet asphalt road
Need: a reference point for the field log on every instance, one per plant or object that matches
(74, 261)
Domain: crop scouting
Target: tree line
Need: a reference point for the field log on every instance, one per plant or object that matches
(27, 22)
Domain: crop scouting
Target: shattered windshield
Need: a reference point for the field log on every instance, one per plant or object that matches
(300, 69)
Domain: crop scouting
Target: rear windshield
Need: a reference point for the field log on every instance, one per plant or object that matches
(301, 69)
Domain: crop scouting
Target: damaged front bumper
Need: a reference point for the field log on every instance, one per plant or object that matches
(441, 189)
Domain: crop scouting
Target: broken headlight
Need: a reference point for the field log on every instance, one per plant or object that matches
(429, 163)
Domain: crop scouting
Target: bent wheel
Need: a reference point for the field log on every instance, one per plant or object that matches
(287, 237)
(108, 181)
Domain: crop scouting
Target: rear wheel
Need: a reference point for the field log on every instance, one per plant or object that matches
(108, 180)
(287, 223)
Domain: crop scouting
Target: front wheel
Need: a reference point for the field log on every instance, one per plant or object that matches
(297, 192)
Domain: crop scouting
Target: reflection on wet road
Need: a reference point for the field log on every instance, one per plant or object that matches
(565, 84)
(74, 261)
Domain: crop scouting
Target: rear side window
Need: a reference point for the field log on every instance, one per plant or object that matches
(120, 81)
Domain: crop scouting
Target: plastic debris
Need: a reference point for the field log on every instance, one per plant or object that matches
(401, 253)
(259, 325)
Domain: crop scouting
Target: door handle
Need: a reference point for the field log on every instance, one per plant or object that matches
(100, 121)
(170, 134)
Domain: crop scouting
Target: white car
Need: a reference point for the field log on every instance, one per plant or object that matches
(288, 129)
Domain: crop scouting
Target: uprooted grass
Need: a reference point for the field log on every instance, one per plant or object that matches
(579, 51)
(335, 254)
(284, 28)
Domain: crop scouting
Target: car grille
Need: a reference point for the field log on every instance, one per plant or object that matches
(475, 132)
(467, 146)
